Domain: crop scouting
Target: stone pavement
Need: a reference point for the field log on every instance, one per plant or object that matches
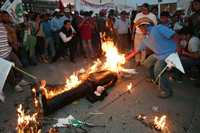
(182, 110)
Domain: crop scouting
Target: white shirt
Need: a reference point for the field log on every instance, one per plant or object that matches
(140, 15)
(194, 45)
(122, 26)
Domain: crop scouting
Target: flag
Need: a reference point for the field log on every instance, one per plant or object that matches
(61, 6)
(5, 67)
(173, 60)
(15, 9)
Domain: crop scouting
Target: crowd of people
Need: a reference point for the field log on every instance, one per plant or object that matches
(46, 38)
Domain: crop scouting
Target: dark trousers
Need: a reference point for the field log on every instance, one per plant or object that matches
(64, 48)
(40, 46)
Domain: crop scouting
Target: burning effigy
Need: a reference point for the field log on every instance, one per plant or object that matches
(91, 83)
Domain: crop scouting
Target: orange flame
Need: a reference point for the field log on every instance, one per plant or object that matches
(160, 123)
(114, 62)
(24, 120)
(129, 87)
(70, 83)
(114, 59)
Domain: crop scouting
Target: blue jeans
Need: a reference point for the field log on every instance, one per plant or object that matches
(154, 67)
(51, 46)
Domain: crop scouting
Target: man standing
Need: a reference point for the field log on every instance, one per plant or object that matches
(122, 26)
(144, 16)
(194, 19)
(6, 52)
(162, 41)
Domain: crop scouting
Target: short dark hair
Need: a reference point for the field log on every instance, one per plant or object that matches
(165, 13)
(145, 5)
(67, 21)
(185, 31)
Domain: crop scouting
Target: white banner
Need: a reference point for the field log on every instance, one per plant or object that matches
(15, 9)
(5, 67)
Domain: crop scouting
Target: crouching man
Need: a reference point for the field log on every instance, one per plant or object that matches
(67, 37)
(162, 41)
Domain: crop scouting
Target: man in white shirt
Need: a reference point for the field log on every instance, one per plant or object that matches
(122, 26)
(144, 16)
(67, 37)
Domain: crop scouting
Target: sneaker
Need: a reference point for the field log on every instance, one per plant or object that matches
(24, 83)
(2, 97)
(18, 88)
(164, 94)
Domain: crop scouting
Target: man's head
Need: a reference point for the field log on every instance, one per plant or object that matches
(143, 27)
(185, 33)
(67, 24)
(145, 8)
(164, 17)
(196, 5)
(123, 15)
(5, 17)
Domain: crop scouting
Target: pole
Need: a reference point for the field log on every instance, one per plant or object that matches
(25, 73)
(160, 74)
(159, 8)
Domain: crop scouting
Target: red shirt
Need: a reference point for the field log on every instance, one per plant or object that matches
(86, 31)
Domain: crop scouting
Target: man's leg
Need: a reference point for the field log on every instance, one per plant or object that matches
(72, 50)
(166, 90)
(149, 64)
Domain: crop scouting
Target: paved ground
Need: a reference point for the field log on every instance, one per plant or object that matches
(182, 110)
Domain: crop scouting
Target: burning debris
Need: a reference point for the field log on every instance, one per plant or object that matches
(154, 122)
(129, 87)
(27, 123)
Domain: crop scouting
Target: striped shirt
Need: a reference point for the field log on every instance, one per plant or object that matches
(5, 49)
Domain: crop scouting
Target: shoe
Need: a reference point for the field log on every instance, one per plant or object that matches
(164, 94)
(18, 88)
(24, 83)
(2, 97)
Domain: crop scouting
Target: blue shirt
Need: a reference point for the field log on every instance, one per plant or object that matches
(46, 25)
(57, 23)
(160, 41)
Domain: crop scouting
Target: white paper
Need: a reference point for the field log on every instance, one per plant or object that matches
(62, 122)
(129, 71)
(5, 67)
(173, 60)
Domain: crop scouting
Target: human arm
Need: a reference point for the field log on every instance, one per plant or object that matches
(194, 55)
(64, 38)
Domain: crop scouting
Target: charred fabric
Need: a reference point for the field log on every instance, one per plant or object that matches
(87, 88)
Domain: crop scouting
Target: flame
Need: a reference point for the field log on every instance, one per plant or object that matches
(129, 87)
(114, 62)
(160, 123)
(24, 120)
(70, 83)
(114, 59)
(95, 66)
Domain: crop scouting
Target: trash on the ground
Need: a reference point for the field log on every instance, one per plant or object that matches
(154, 122)
(96, 113)
(71, 121)
(155, 108)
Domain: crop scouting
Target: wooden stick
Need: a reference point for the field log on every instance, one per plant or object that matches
(25, 73)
